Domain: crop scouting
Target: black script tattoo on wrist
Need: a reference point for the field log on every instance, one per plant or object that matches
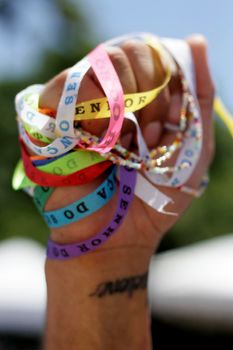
(124, 285)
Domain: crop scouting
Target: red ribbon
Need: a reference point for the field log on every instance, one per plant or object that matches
(44, 179)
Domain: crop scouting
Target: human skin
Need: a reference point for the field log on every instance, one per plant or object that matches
(78, 316)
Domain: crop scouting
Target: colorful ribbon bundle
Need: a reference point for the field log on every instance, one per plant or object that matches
(71, 156)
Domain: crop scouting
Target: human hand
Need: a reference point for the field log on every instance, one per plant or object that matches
(119, 322)
(138, 71)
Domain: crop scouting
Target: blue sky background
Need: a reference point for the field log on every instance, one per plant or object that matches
(110, 18)
(178, 19)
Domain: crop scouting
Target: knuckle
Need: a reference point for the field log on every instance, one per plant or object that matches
(117, 56)
(207, 103)
(59, 80)
(123, 68)
(133, 47)
(130, 44)
(207, 96)
(94, 127)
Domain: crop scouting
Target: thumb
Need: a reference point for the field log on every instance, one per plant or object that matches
(204, 89)
(204, 82)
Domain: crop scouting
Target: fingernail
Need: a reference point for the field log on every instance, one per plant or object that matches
(152, 133)
(198, 38)
(199, 41)
(126, 139)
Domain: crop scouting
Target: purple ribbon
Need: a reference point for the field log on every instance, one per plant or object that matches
(126, 193)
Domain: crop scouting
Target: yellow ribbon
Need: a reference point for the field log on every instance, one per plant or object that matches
(223, 114)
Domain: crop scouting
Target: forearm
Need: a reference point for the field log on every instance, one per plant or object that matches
(98, 301)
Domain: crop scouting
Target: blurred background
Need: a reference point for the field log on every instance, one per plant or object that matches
(40, 38)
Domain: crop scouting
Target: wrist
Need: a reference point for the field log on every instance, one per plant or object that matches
(99, 296)
(114, 261)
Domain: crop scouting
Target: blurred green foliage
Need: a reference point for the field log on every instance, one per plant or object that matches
(209, 216)
(18, 217)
